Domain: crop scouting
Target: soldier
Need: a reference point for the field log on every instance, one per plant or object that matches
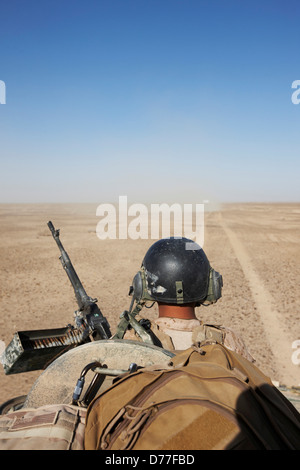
(177, 275)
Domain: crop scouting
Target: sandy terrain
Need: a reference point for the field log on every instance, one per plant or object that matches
(254, 246)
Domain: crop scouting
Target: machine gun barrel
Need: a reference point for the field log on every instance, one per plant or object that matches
(81, 296)
(86, 304)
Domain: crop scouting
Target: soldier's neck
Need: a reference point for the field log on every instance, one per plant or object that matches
(186, 312)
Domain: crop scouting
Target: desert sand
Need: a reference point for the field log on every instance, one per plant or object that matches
(254, 246)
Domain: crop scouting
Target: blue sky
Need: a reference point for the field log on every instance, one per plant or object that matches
(159, 100)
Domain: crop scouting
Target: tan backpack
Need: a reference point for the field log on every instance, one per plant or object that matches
(208, 398)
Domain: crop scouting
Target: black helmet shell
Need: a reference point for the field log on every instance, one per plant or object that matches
(176, 268)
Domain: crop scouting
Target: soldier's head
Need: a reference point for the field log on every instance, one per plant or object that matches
(176, 272)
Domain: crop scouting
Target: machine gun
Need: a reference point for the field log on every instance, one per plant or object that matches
(35, 349)
(88, 308)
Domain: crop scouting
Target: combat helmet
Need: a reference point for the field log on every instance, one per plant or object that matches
(177, 271)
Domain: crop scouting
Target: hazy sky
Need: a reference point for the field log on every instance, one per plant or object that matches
(159, 100)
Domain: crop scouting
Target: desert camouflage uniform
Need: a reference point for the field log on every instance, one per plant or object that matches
(180, 334)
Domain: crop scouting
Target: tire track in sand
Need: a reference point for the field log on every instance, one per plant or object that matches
(279, 342)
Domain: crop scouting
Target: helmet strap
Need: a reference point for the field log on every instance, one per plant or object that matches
(179, 292)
